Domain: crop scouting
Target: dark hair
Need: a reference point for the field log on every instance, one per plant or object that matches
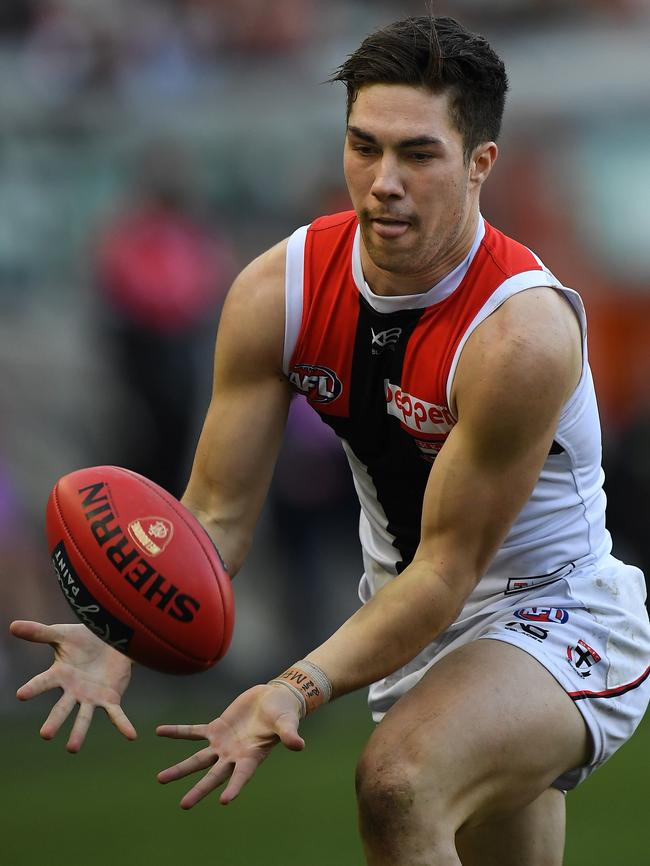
(439, 54)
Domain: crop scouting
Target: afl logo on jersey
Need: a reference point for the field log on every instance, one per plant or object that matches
(318, 384)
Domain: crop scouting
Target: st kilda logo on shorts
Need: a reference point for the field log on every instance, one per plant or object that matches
(319, 384)
(582, 658)
(151, 534)
(125, 557)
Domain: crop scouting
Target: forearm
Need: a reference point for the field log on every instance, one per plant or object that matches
(232, 469)
(391, 629)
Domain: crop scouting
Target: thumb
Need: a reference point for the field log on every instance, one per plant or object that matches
(34, 631)
(286, 727)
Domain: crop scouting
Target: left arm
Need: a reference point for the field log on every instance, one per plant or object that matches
(515, 374)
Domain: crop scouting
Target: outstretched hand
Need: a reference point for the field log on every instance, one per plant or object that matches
(90, 672)
(238, 742)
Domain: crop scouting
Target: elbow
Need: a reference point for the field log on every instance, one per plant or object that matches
(454, 578)
(231, 542)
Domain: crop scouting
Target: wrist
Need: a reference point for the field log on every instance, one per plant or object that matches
(309, 683)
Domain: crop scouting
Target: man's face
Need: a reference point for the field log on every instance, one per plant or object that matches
(406, 176)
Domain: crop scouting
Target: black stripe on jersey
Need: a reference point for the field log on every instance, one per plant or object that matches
(377, 439)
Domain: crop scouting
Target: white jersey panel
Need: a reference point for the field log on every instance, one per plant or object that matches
(293, 293)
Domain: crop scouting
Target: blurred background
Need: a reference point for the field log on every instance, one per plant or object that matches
(148, 150)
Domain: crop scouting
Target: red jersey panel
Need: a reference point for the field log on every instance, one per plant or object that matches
(321, 364)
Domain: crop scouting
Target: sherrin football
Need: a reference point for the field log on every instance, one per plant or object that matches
(139, 570)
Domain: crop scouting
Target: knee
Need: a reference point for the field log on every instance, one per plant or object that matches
(393, 795)
(402, 813)
(386, 793)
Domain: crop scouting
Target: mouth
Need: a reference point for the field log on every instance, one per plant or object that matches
(387, 227)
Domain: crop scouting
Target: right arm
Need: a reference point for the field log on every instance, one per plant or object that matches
(243, 428)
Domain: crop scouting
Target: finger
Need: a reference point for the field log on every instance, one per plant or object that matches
(34, 631)
(183, 732)
(37, 685)
(200, 761)
(217, 776)
(286, 727)
(121, 721)
(80, 727)
(243, 773)
(58, 714)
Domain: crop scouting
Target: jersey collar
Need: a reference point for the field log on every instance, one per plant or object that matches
(442, 290)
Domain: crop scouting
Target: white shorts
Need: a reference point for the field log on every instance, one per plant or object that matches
(591, 632)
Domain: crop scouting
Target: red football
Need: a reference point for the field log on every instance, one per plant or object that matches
(139, 570)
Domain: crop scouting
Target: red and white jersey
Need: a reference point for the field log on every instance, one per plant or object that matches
(379, 370)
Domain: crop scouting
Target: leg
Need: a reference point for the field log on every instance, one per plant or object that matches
(483, 734)
(533, 835)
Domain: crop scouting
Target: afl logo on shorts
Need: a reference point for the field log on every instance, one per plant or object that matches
(151, 534)
(542, 614)
(318, 384)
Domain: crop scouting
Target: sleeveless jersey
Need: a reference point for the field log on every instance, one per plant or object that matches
(379, 371)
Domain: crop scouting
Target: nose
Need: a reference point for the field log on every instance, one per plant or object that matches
(387, 183)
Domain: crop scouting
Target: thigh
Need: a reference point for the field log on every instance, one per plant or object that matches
(532, 835)
(485, 732)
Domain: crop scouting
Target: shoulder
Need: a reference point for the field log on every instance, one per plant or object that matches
(261, 281)
(253, 314)
(522, 363)
(537, 324)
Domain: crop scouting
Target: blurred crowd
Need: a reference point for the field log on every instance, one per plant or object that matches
(164, 47)
(149, 149)
(149, 47)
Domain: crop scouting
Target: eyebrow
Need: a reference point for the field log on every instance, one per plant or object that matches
(418, 141)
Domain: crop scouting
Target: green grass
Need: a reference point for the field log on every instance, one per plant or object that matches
(608, 814)
(103, 807)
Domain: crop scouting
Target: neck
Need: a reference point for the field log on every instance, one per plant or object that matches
(386, 282)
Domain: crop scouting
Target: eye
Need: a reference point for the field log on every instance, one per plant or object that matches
(420, 156)
(364, 149)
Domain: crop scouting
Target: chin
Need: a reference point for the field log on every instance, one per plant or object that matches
(398, 261)
(390, 255)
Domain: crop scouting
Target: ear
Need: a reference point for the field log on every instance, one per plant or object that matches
(481, 162)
